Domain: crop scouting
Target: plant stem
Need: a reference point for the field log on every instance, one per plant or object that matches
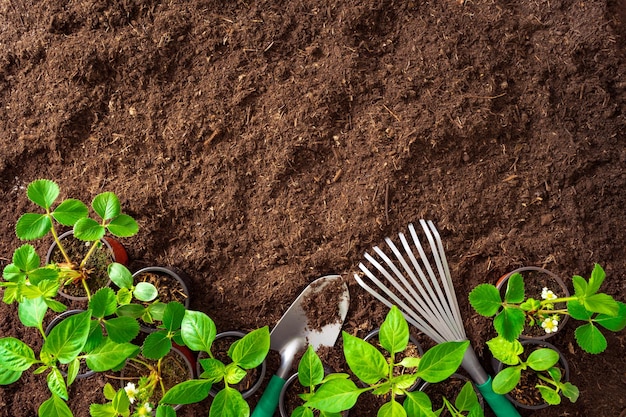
(57, 240)
(92, 249)
(86, 287)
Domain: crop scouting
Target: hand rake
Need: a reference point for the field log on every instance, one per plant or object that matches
(427, 299)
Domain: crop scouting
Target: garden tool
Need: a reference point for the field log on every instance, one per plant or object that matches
(294, 331)
(427, 299)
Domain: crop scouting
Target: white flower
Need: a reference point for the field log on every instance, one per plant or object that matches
(145, 410)
(547, 294)
(131, 392)
(550, 325)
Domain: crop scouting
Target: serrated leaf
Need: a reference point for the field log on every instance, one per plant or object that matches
(109, 391)
(515, 289)
(31, 226)
(102, 410)
(578, 311)
(32, 311)
(173, 315)
(123, 226)
(122, 329)
(613, 323)
(103, 303)
(88, 230)
(590, 339)
(106, 205)
(485, 299)
(394, 332)
(156, 345)
(43, 192)
(580, 286)
(25, 258)
(595, 281)
(69, 211)
(509, 323)
(601, 303)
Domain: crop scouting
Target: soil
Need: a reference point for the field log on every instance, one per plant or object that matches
(449, 389)
(263, 144)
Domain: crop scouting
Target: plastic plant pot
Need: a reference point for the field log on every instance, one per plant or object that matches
(248, 386)
(114, 252)
(84, 372)
(454, 378)
(171, 284)
(535, 279)
(515, 395)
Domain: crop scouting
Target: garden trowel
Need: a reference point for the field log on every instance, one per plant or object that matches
(296, 329)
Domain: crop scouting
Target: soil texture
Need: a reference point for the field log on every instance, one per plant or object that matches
(262, 144)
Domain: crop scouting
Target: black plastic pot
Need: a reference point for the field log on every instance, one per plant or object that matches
(562, 363)
(58, 319)
(260, 370)
(117, 254)
(542, 278)
(166, 294)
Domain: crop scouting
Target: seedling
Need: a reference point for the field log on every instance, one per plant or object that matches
(587, 305)
(541, 361)
(378, 372)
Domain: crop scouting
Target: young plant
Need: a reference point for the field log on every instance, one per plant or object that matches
(465, 404)
(541, 361)
(25, 269)
(587, 305)
(198, 333)
(378, 372)
(311, 376)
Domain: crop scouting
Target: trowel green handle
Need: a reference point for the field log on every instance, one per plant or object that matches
(269, 400)
(498, 403)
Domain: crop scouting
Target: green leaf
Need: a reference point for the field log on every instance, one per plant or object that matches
(121, 402)
(515, 289)
(214, 370)
(410, 362)
(595, 281)
(67, 339)
(31, 312)
(570, 391)
(506, 379)
(616, 323)
(173, 315)
(486, 300)
(122, 329)
(301, 411)
(417, 404)
(233, 374)
(70, 211)
(54, 407)
(549, 395)
(391, 409)
(310, 368)
(394, 332)
(31, 226)
(601, 303)
(56, 383)
(120, 275)
(467, 398)
(367, 363)
(580, 286)
(8, 377)
(103, 303)
(144, 291)
(590, 339)
(106, 205)
(39, 275)
(441, 361)
(578, 311)
(229, 403)
(250, 351)
(88, 230)
(509, 323)
(335, 395)
(505, 351)
(198, 331)
(165, 411)
(15, 355)
(542, 359)
(156, 345)
(56, 306)
(25, 258)
(72, 371)
(109, 355)
(131, 310)
(123, 226)
(103, 410)
(43, 192)
(187, 392)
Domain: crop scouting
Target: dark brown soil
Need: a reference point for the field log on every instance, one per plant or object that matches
(263, 144)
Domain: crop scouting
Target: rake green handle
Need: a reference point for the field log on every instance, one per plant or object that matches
(269, 400)
(498, 403)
